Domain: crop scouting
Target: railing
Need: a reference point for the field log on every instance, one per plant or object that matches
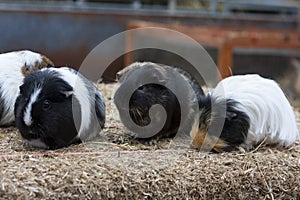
(226, 7)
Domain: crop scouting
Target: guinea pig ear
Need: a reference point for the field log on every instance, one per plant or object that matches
(162, 82)
(65, 89)
(67, 93)
(118, 75)
(156, 78)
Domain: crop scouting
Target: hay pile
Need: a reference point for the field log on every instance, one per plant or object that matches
(118, 167)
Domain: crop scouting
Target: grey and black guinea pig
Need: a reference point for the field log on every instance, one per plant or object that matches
(150, 94)
(13, 67)
(58, 107)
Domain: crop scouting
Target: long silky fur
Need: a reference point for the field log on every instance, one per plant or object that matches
(11, 76)
(222, 126)
(150, 94)
(269, 111)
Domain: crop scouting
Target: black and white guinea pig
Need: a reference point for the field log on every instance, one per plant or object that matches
(13, 67)
(58, 107)
(147, 95)
(255, 108)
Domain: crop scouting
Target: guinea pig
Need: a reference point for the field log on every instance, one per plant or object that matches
(58, 107)
(149, 94)
(13, 67)
(252, 108)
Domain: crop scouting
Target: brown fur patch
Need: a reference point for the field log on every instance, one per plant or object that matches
(46, 62)
(203, 141)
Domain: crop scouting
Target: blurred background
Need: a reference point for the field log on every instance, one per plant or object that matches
(258, 36)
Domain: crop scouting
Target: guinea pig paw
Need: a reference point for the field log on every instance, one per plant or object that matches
(148, 142)
(245, 147)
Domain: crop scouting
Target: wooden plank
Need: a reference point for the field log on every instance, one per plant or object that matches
(227, 38)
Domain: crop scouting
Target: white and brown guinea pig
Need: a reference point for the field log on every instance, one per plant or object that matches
(13, 67)
(256, 108)
(58, 107)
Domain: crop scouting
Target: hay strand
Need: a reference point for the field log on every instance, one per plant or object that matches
(118, 167)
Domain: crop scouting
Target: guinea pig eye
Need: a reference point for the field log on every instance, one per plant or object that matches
(46, 105)
(142, 87)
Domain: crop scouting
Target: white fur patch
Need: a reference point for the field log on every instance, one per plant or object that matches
(29, 57)
(270, 113)
(81, 93)
(27, 114)
(11, 78)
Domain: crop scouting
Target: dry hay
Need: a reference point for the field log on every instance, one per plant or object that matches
(118, 167)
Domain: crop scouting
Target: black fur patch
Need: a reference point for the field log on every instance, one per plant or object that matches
(148, 95)
(236, 124)
(99, 106)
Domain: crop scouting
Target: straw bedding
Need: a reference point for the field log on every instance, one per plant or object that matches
(118, 167)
